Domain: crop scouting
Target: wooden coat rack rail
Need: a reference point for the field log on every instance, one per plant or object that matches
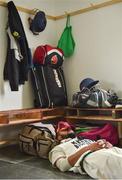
(87, 9)
(25, 10)
(73, 13)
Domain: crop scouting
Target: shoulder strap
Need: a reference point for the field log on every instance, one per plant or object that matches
(100, 97)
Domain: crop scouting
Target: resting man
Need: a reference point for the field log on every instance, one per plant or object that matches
(98, 159)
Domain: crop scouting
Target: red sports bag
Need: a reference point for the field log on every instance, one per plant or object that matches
(108, 132)
(48, 55)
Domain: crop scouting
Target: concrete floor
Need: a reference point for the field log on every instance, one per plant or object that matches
(16, 165)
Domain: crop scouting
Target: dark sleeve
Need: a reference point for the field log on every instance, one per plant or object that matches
(11, 69)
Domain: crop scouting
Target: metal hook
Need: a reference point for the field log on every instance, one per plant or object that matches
(35, 10)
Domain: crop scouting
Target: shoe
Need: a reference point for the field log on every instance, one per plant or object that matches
(119, 103)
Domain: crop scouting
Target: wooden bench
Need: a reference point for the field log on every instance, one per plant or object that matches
(21, 116)
(99, 114)
(26, 116)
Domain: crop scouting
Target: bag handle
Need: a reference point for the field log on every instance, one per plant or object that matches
(40, 128)
(68, 21)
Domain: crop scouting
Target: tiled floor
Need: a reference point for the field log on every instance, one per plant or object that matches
(16, 165)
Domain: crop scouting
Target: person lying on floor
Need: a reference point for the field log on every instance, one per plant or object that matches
(99, 159)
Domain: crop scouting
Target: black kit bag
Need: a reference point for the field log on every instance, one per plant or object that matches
(48, 78)
(49, 86)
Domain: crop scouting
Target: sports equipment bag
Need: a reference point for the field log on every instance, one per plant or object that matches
(49, 56)
(36, 140)
(79, 99)
(94, 97)
(49, 86)
(45, 142)
(108, 132)
(66, 41)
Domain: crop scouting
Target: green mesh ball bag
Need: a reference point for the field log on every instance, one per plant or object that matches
(66, 41)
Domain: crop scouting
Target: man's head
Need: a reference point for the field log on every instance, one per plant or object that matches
(64, 130)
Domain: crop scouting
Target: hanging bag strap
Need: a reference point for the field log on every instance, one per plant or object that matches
(68, 21)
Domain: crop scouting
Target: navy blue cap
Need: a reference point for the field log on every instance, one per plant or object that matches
(88, 83)
(38, 23)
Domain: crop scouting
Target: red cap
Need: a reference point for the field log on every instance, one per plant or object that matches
(64, 125)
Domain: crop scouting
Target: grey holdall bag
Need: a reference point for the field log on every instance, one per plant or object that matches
(94, 98)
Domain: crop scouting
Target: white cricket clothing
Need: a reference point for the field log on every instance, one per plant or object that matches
(101, 164)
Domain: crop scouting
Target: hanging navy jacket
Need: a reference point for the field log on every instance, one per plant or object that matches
(16, 66)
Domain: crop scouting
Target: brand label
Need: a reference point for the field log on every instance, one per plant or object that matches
(57, 78)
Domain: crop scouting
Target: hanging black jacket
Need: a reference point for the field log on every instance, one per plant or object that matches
(16, 71)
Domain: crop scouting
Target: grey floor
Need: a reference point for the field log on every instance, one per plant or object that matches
(16, 165)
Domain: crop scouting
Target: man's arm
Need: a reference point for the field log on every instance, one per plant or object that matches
(59, 159)
(92, 147)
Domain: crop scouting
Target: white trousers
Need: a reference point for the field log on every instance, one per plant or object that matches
(104, 164)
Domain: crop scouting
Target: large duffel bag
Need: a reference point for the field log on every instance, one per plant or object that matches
(48, 86)
(36, 140)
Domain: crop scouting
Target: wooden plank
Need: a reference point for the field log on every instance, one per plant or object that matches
(4, 118)
(93, 109)
(26, 10)
(96, 118)
(22, 121)
(30, 114)
(21, 116)
(119, 129)
(73, 13)
(53, 112)
(52, 117)
(87, 9)
(27, 121)
(22, 110)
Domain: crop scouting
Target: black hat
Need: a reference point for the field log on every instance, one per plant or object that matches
(88, 83)
(38, 23)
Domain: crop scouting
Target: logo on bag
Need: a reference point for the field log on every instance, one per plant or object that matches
(54, 59)
(57, 78)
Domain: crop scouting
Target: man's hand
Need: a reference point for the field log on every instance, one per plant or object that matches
(100, 144)
(96, 146)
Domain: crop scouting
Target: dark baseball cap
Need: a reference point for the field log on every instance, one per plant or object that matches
(88, 83)
(38, 23)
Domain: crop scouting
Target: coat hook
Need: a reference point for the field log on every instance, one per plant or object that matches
(66, 13)
(92, 5)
